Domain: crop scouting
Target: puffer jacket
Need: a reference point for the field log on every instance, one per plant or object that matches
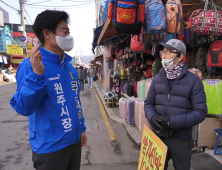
(185, 103)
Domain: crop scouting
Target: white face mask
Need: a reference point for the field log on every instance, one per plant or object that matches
(168, 63)
(65, 43)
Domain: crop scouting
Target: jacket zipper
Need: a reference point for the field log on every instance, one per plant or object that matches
(71, 104)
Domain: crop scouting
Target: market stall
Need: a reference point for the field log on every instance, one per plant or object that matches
(130, 61)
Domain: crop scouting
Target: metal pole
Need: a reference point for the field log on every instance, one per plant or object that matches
(21, 2)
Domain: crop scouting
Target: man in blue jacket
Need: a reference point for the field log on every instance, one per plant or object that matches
(48, 94)
(175, 103)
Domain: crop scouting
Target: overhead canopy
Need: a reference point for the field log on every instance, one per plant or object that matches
(97, 32)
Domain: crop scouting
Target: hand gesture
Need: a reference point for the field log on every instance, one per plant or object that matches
(36, 60)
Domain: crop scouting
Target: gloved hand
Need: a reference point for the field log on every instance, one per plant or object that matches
(155, 122)
(165, 122)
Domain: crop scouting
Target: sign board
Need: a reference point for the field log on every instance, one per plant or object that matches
(8, 35)
(22, 38)
(2, 40)
(23, 45)
(14, 50)
(29, 47)
(16, 61)
(28, 55)
(153, 151)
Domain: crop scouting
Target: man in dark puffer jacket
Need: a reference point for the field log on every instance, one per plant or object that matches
(176, 101)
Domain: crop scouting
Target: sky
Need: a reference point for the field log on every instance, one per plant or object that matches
(82, 20)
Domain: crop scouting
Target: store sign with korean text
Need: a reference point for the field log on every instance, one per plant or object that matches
(14, 50)
(153, 151)
(2, 40)
(29, 48)
(8, 35)
(16, 61)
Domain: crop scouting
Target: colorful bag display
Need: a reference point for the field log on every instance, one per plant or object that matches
(211, 27)
(155, 17)
(213, 90)
(174, 17)
(127, 15)
(139, 44)
(215, 54)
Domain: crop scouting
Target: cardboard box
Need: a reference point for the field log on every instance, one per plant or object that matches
(207, 136)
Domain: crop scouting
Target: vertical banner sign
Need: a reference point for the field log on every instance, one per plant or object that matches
(29, 48)
(8, 36)
(153, 151)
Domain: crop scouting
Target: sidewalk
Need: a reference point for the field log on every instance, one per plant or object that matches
(200, 160)
(113, 113)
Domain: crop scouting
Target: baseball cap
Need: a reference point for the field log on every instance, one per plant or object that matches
(175, 44)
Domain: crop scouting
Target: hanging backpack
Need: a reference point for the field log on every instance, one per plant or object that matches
(155, 16)
(192, 58)
(174, 17)
(215, 55)
(200, 61)
(138, 43)
(157, 65)
(127, 15)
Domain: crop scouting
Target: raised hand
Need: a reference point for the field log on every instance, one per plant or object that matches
(36, 60)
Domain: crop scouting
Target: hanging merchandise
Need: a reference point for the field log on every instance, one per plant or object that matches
(207, 22)
(196, 72)
(215, 55)
(155, 17)
(200, 61)
(139, 44)
(157, 65)
(201, 41)
(213, 90)
(174, 17)
(127, 15)
(130, 112)
(130, 90)
(138, 89)
(192, 58)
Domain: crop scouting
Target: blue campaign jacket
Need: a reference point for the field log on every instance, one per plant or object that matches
(185, 103)
(51, 102)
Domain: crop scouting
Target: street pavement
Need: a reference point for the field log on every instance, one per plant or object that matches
(109, 145)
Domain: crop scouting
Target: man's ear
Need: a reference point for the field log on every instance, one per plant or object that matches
(46, 34)
(182, 56)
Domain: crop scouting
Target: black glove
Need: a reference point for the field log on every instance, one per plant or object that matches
(155, 123)
(165, 122)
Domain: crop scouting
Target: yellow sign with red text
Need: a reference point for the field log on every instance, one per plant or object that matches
(153, 151)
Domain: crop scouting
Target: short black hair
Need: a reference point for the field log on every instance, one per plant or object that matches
(49, 20)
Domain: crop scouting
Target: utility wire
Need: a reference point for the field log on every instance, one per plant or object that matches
(9, 5)
(68, 7)
(28, 15)
(38, 2)
(82, 25)
(62, 6)
(84, 29)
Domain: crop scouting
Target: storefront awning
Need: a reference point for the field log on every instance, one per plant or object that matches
(19, 34)
(97, 32)
(17, 56)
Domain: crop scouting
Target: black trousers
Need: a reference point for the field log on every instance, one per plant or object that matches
(68, 158)
(180, 152)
